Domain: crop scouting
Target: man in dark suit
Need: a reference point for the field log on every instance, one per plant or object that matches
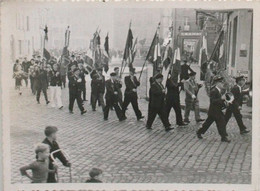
(75, 91)
(215, 114)
(73, 62)
(97, 89)
(83, 82)
(131, 84)
(112, 98)
(173, 99)
(185, 69)
(157, 104)
(236, 105)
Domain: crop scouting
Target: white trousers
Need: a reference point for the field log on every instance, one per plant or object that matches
(55, 92)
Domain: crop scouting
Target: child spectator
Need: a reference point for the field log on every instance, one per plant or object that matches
(40, 167)
(50, 133)
(94, 173)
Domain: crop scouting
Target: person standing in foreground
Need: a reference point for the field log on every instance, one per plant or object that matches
(236, 105)
(215, 114)
(94, 174)
(173, 99)
(40, 168)
(50, 133)
(97, 89)
(112, 97)
(157, 104)
(75, 91)
(131, 84)
(191, 101)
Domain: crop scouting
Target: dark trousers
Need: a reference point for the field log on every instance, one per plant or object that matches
(38, 94)
(132, 98)
(75, 96)
(97, 97)
(152, 112)
(32, 84)
(110, 103)
(234, 109)
(120, 98)
(51, 178)
(220, 122)
(177, 108)
(63, 80)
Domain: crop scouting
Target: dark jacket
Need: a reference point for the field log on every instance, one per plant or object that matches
(74, 85)
(111, 88)
(53, 147)
(41, 79)
(55, 80)
(173, 92)
(98, 85)
(130, 85)
(157, 96)
(216, 103)
(238, 96)
(185, 72)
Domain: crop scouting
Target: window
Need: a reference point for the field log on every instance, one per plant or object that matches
(234, 43)
(27, 23)
(20, 47)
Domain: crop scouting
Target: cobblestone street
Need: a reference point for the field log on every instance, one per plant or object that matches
(126, 151)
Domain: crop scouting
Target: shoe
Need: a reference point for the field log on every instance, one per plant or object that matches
(148, 127)
(71, 112)
(182, 124)
(47, 102)
(84, 111)
(122, 119)
(244, 132)
(225, 139)
(186, 121)
(105, 119)
(38, 102)
(140, 118)
(199, 135)
(168, 129)
(200, 120)
(60, 107)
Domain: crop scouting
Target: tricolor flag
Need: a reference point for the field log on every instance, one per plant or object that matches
(132, 55)
(203, 57)
(218, 52)
(168, 53)
(106, 54)
(154, 53)
(127, 57)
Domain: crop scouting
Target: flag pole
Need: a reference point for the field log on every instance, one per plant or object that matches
(121, 70)
(147, 54)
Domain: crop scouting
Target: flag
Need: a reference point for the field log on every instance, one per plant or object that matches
(128, 46)
(46, 54)
(106, 54)
(203, 58)
(96, 51)
(177, 60)
(218, 52)
(154, 53)
(168, 53)
(46, 33)
(132, 55)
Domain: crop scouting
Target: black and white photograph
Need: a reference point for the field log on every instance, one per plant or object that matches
(110, 94)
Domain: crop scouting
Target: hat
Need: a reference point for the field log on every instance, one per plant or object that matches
(158, 76)
(132, 70)
(95, 172)
(240, 78)
(192, 73)
(116, 68)
(49, 130)
(218, 79)
(113, 74)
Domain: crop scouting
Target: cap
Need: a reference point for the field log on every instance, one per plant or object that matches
(158, 76)
(240, 78)
(113, 74)
(192, 73)
(49, 130)
(218, 79)
(116, 68)
(132, 70)
(95, 172)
